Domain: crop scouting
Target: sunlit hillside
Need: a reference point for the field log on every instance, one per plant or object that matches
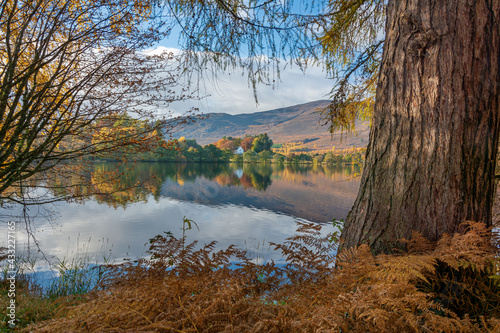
(299, 123)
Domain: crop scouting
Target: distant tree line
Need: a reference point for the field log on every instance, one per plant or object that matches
(355, 157)
(257, 149)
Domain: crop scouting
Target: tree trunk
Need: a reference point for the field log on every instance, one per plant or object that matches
(431, 157)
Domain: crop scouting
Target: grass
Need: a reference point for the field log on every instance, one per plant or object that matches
(33, 304)
(38, 299)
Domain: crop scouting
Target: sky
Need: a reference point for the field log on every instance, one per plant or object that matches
(231, 93)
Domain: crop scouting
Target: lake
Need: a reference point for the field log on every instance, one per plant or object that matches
(247, 205)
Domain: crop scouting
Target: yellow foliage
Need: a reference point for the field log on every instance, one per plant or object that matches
(65, 65)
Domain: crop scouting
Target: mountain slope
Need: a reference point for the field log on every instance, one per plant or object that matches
(290, 124)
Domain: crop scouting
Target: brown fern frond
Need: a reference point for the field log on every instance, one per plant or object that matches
(404, 269)
(418, 243)
(450, 286)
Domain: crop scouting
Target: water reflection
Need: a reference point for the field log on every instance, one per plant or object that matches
(234, 204)
(316, 193)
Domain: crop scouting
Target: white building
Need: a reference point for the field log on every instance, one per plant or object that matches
(239, 151)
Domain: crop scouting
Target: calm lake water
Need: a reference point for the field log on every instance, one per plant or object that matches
(246, 205)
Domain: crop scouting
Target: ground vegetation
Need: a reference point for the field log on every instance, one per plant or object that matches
(450, 285)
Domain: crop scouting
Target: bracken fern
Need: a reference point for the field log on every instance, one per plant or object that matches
(448, 286)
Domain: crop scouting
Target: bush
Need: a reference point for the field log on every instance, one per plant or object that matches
(237, 158)
(278, 158)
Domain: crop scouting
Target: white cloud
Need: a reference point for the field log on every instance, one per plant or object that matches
(160, 50)
(235, 96)
(231, 92)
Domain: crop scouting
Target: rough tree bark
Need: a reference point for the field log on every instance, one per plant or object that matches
(434, 137)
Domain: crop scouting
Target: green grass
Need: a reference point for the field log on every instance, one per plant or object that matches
(38, 300)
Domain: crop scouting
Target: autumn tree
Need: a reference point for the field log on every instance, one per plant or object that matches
(225, 144)
(237, 141)
(351, 44)
(68, 67)
(247, 142)
(121, 137)
(434, 139)
(435, 127)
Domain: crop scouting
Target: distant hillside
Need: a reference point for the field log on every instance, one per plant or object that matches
(290, 124)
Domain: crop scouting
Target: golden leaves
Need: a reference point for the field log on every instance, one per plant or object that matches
(352, 48)
(65, 65)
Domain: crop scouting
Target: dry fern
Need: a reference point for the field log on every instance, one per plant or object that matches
(450, 286)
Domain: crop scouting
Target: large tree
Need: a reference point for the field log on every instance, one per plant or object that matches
(435, 126)
(434, 137)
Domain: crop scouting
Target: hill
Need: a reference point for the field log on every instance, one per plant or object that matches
(290, 124)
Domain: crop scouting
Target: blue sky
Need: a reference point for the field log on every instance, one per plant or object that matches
(231, 93)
